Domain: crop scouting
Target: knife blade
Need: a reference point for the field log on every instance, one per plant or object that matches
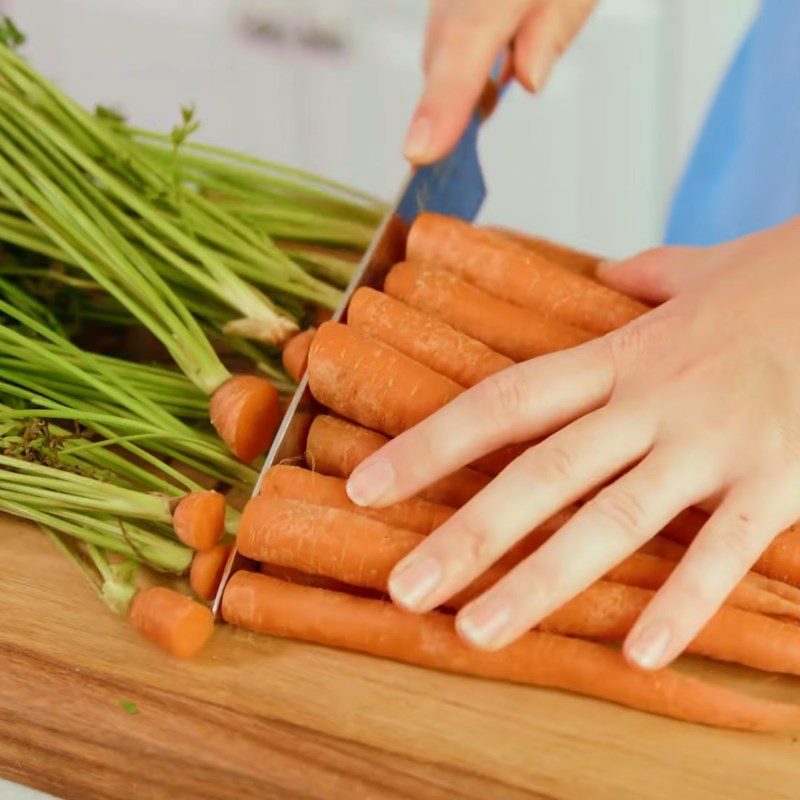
(454, 186)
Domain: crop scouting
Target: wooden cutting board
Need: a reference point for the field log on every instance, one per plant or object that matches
(266, 718)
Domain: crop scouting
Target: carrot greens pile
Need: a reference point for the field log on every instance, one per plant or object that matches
(148, 283)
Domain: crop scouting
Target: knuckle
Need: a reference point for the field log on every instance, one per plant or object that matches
(505, 395)
(548, 464)
(737, 537)
(628, 344)
(474, 540)
(621, 509)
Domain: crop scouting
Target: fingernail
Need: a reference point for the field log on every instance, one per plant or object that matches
(543, 61)
(370, 483)
(650, 646)
(414, 579)
(485, 621)
(418, 139)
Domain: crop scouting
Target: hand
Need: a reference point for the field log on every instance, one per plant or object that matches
(464, 38)
(695, 403)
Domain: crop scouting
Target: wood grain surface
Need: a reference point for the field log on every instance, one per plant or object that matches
(256, 717)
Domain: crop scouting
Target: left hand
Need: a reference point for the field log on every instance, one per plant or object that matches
(695, 403)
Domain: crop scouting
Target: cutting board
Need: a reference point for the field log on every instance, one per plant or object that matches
(257, 717)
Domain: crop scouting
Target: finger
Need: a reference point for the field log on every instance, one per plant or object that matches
(658, 274)
(747, 520)
(436, 20)
(544, 34)
(542, 481)
(520, 403)
(461, 56)
(601, 534)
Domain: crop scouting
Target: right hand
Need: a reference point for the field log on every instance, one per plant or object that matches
(463, 39)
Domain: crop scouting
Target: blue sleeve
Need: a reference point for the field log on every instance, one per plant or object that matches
(744, 174)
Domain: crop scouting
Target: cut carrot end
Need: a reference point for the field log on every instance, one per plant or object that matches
(322, 315)
(199, 519)
(295, 353)
(246, 412)
(207, 569)
(172, 621)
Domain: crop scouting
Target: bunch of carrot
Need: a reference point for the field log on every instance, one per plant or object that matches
(467, 303)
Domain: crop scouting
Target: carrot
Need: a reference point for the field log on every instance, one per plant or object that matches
(207, 569)
(336, 447)
(266, 605)
(663, 548)
(380, 388)
(780, 561)
(362, 552)
(320, 581)
(295, 353)
(575, 260)
(322, 315)
(518, 275)
(296, 483)
(246, 412)
(651, 572)
(322, 541)
(512, 330)
(172, 621)
(423, 338)
(607, 611)
(372, 383)
(199, 519)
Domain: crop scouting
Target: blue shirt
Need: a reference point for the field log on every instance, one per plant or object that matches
(744, 174)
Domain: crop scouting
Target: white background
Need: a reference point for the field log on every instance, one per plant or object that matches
(592, 162)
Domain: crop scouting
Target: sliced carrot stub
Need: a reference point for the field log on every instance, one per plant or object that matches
(246, 412)
(295, 353)
(172, 621)
(206, 571)
(199, 519)
(322, 315)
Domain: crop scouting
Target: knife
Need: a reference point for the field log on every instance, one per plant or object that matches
(453, 186)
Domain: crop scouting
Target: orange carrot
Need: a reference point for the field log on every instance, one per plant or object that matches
(372, 383)
(199, 519)
(246, 412)
(362, 552)
(651, 572)
(518, 275)
(512, 330)
(575, 260)
(266, 605)
(320, 581)
(423, 338)
(296, 483)
(172, 621)
(380, 388)
(663, 548)
(295, 353)
(607, 611)
(336, 447)
(322, 541)
(206, 571)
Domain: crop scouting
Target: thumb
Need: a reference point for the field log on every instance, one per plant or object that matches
(658, 274)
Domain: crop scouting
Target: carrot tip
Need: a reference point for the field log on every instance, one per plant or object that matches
(246, 412)
(172, 621)
(199, 519)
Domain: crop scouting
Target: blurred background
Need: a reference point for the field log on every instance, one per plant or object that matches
(329, 85)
